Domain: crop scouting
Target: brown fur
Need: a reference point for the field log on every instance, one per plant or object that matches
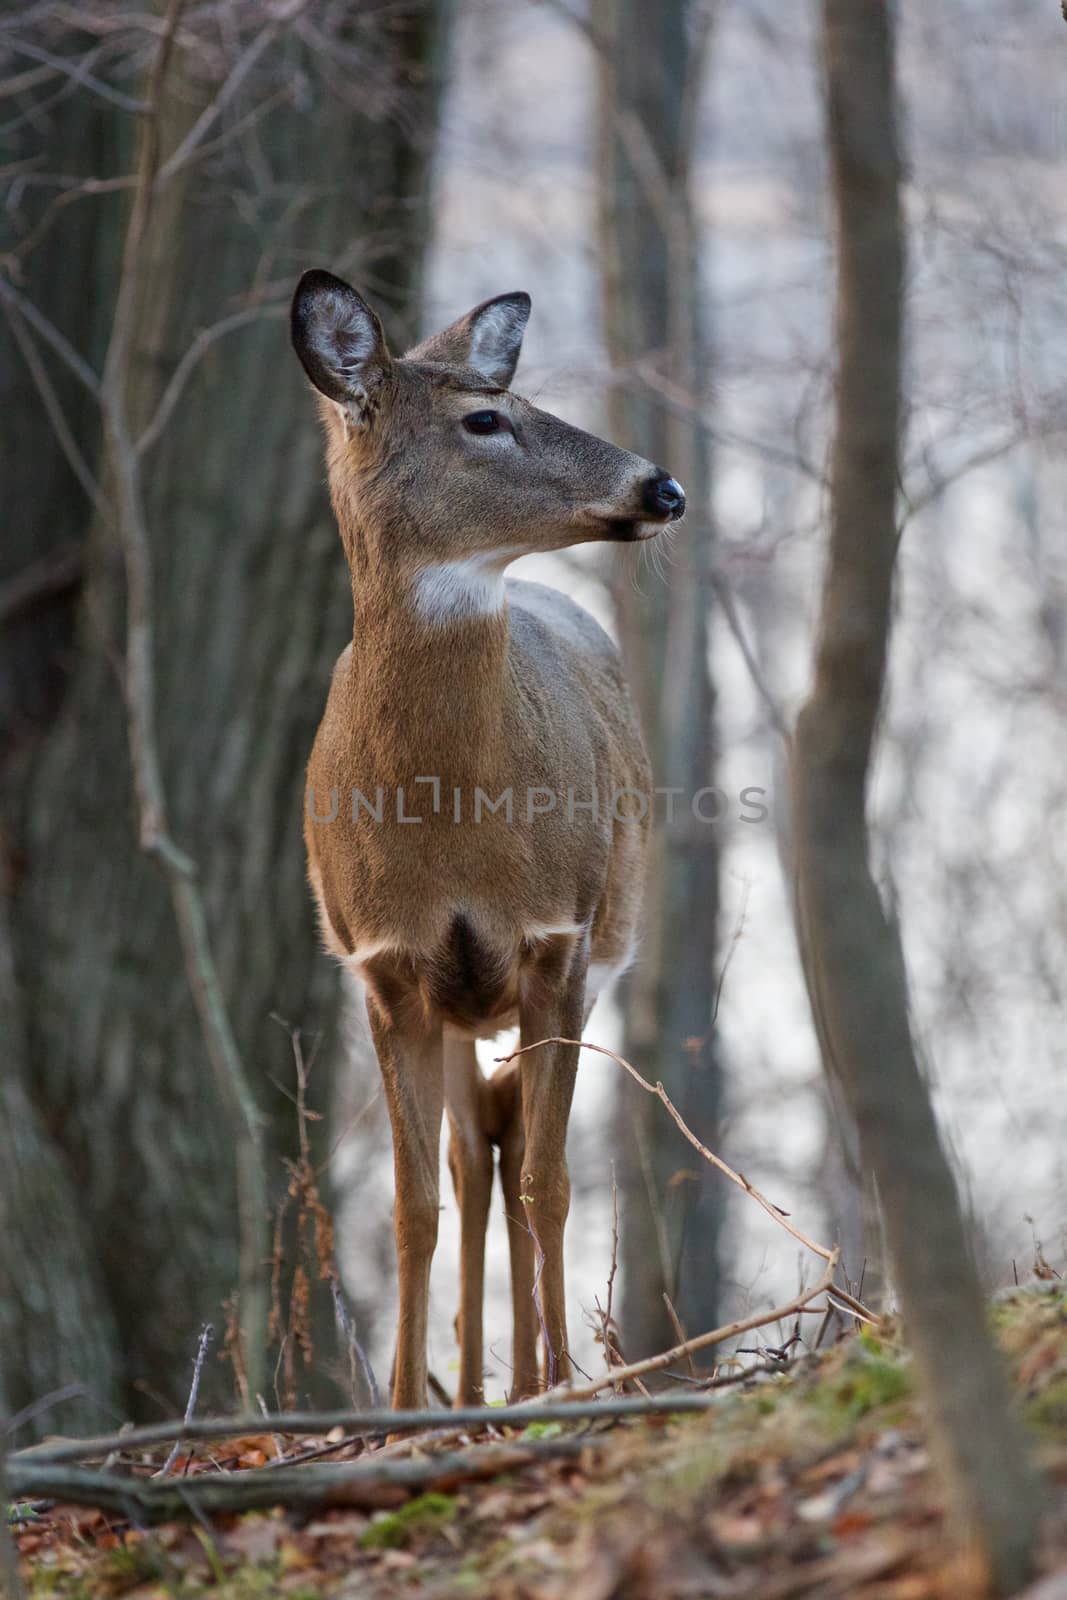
(451, 925)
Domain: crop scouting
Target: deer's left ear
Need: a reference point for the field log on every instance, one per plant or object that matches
(489, 339)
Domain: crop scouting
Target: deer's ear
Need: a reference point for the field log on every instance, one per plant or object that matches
(488, 339)
(339, 340)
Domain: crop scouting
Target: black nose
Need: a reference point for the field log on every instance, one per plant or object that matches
(664, 496)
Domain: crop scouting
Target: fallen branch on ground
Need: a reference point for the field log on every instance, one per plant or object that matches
(374, 1424)
(368, 1485)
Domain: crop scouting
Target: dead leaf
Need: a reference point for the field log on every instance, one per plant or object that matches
(733, 1528)
(255, 1538)
(850, 1523)
(832, 1467)
(347, 1525)
(398, 1560)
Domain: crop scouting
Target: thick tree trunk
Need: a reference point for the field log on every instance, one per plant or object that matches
(650, 71)
(252, 605)
(855, 967)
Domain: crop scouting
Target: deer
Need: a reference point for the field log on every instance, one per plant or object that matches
(477, 808)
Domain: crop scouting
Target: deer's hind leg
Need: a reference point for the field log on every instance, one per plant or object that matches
(551, 1006)
(470, 1161)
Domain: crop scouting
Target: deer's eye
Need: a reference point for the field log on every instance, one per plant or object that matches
(482, 422)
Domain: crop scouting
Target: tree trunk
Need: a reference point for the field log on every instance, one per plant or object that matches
(855, 967)
(252, 604)
(650, 74)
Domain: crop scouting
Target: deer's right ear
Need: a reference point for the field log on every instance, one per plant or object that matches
(339, 340)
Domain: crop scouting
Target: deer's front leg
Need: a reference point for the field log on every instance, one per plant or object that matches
(505, 1087)
(553, 1007)
(412, 1072)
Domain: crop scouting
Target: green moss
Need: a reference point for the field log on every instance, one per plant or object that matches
(542, 1430)
(1019, 1309)
(1048, 1409)
(420, 1518)
(686, 1477)
(867, 1380)
(478, 1567)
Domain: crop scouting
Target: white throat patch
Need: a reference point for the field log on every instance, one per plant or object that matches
(453, 591)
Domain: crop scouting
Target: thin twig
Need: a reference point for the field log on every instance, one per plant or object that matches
(77, 71)
(704, 1341)
(46, 329)
(234, 79)
(278, 1451)
(676, 1324)
(739, 928)
(191, 360)
(780, 1216)
(56, 416)
(36, 1408)
(206, 1335)
(725, 596)
(53, 574)
(606, 1314)
(80, 189)
(356, 1352)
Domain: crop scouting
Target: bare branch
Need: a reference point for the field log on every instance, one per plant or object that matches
(725, 596)
(24, 81)
(211, 113)
(50, 400)
(52, 337)
(189, 362)
(77, 71)
(80, 189)
(1025, 433)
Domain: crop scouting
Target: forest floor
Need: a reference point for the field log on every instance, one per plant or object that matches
(812, 1482)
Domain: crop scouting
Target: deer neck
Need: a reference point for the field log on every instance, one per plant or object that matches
(429, 659)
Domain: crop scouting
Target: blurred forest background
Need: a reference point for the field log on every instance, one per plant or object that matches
(655, 175)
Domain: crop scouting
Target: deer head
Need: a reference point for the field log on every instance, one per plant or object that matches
(434, 462)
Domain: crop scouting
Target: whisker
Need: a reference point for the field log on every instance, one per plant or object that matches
(633, 564)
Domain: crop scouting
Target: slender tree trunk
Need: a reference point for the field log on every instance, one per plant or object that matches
(855, 968)
(650, 73)
(251, 607)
